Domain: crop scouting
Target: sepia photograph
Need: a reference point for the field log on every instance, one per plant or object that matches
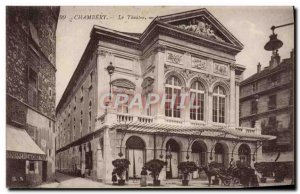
(150, 97)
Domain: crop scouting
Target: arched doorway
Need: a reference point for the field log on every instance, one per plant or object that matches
(199, 152)
(172, 157)
(244, 153)
(221, 154)
(136, 154)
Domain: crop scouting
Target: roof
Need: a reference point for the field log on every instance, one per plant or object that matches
(18, 140)
(268, 71)
(206, 130)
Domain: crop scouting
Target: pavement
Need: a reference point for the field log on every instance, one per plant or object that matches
(67, 181)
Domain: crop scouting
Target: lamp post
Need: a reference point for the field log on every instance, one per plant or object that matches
(274, 44)
(110, 69)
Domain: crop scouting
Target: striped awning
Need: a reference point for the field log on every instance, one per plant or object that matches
(205, 130)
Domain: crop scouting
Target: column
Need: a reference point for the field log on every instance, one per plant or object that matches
(237, 104)
(232, 97)
(108, 146)
(159, 72)
(209, 107)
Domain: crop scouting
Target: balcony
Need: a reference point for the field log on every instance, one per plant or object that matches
(120, 118)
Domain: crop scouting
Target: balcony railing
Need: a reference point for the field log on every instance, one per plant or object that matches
(124, 118)
(129, 118)
(248, 130)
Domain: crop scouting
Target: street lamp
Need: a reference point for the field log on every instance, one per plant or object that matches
(274, 44)
(110, 69)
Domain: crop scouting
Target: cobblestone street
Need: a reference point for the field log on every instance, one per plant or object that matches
(66, 181)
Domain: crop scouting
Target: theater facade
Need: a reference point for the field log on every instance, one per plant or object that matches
(188, 53)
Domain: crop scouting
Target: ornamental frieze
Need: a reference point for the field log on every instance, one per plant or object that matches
(220, 69)
(174, 57)
(199, 63)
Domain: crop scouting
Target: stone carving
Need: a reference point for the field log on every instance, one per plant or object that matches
(174, 57)
(199, 64)
(202, 27)
(220, 69)
(188, 74)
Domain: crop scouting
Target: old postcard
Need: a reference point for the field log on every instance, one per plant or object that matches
(150, 97)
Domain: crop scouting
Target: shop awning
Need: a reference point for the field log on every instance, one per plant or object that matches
(205, 131)
(19, 145)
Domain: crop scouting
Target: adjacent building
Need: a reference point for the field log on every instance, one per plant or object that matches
(30, 94)
(267, 99)
(188, 53)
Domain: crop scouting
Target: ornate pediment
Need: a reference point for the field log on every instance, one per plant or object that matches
(201, 26)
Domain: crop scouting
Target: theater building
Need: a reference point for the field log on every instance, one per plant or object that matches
(267, 99)
(30, 95)
(184, 53)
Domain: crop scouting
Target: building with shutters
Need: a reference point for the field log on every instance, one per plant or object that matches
(188, 53)
(267, 99)
(30, 94)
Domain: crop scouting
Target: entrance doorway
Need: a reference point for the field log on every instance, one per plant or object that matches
(136, 154)
(199, 152)
(172, 157)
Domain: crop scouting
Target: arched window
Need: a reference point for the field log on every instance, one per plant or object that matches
(197, 101)
(173, 90)
(219, 97)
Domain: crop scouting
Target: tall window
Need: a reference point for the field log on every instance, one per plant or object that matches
(272, 102)
(149, 108)
(74, 128)
(219, 97)
(254, 86)
(172, 90)
(197, 101)
(81, 117)
(253, 107)
(32, 87)
(90, 116)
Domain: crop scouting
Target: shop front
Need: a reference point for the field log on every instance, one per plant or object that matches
(26, 162)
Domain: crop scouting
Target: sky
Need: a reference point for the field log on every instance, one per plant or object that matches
(250, 25)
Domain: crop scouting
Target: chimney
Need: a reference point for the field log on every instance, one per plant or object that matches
(258, 67)
(275, 59)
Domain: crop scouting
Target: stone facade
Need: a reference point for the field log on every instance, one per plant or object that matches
(143, 64)
(30, 78)
(267, 99)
